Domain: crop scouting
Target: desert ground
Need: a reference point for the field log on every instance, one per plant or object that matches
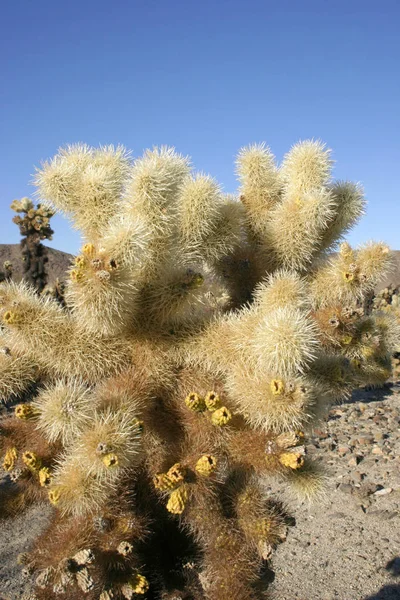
(346, 546)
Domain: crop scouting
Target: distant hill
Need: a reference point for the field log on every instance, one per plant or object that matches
(56, 267)
(60, 261)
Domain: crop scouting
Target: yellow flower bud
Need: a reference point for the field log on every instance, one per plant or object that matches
(110, 460)
(212, 401)
(206, 465)
(177, 501)
(347, 339)
(194, 402)
(277, 387)
(221, 416)
(10, 459)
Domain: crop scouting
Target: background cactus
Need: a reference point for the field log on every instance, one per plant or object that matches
(203, 336)
(34, 225)
(388, 301)
(8, 271)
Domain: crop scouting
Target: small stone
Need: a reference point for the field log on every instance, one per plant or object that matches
(365, 440)
(383, 492)
(367, 488)
(343, 449)
(320, 433)
(346, 488)
(355, 460)
(377, 450)
(379, 435)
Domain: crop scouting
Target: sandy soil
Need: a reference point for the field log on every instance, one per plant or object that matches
(348, 546)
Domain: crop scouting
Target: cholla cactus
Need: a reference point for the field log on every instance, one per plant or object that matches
(203, 336)
(388, 301)
(34, 226)
(8, 271)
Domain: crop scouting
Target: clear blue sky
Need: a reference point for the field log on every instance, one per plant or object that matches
(206, 77)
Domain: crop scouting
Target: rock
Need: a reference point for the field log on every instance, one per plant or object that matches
(346, 488)
(355, 460)
(383, 492)
(377, 450)
(343, 449)
(368, 488)
(365, 440)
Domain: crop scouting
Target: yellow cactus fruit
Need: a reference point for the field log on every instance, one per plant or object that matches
(11, 318)
(221, 416)
(44, 477)
(80, 261)
(77, 275)
(206, 465)
(54, 496)
(88, 249)
(293, 460)
(162, 482)
(212, 401)
(356, 364)
(194, 402)
(348, 276)
(25, 411)
(138, 584)
(31, 460)
(10, 459)
(176, 473)
(177, 501)
(277, 387)
(347, 339)
(110, 460)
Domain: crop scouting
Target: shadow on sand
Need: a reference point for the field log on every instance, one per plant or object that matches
(392, 591)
